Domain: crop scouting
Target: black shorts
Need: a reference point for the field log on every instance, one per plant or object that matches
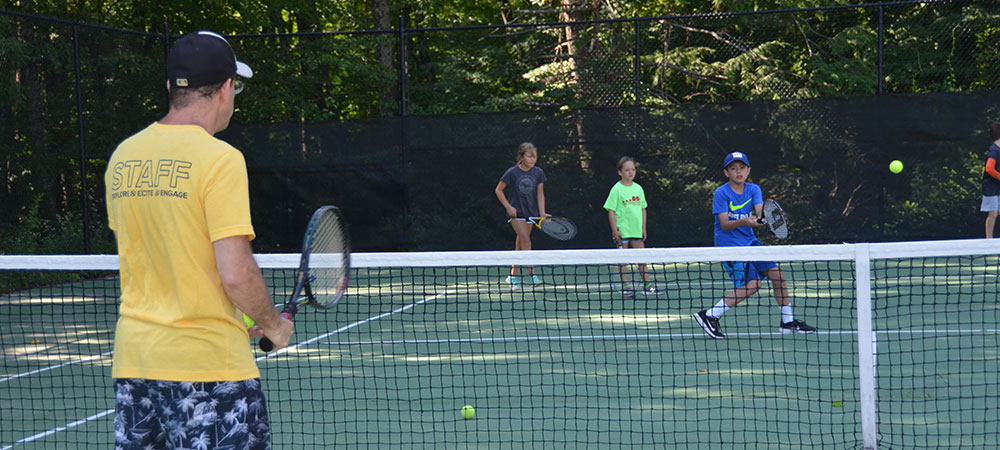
(172, 414)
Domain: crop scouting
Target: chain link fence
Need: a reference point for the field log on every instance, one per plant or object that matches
(408, 130)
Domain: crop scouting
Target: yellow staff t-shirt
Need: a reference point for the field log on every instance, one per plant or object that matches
(171, 191)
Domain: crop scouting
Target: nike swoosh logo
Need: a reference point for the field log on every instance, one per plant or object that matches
(735, 207)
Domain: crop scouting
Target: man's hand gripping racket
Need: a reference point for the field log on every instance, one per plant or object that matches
(324, 268)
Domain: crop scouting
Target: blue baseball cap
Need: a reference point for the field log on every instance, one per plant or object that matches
(736, 156)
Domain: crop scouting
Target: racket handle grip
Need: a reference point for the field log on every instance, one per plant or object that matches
(265, 344)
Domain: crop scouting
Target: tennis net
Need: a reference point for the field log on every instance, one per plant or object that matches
(905, 355)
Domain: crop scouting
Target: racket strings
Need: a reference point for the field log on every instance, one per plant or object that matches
(328, 266)
(559, 228)
(774, 218)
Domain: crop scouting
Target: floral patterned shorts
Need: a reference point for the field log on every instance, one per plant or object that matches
(184, 415)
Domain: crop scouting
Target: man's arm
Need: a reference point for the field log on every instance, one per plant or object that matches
(245, 287)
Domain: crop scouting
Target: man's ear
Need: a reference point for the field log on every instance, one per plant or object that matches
(227, 89)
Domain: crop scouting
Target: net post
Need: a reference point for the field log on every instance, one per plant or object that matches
(866, 355)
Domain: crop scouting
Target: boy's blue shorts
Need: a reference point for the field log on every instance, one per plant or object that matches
(742, 272)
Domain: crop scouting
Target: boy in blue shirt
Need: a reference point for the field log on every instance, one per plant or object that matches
(737, 207)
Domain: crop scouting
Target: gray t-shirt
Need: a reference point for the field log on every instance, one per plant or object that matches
(522, 189)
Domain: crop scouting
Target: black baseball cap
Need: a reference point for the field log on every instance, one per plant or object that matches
(201, 59)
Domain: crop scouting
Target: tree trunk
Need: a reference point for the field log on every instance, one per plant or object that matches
(572, 11)
(576, 52)
(384, 55)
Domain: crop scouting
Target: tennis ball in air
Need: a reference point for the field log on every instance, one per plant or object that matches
(896, 166)
(468, 412)
(838, 404)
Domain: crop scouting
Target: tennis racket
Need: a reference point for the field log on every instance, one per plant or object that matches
(775, 219)
(324, 268)
(558, 227)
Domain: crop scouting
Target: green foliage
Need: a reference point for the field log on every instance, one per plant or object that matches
(936, 50)
(847, 66)
(31, 234)
(770, 65)
(953, 200)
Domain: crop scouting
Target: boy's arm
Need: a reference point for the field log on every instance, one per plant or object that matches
(727, 224)
(643, 224)
(511, 211)
(615, 234)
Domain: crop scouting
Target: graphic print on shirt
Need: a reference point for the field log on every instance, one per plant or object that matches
(733, 207)
(635, 200)
(148, 178)
(526, 185)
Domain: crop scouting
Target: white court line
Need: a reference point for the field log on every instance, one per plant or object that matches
(58, 429)
(348, 327)
(279, 352)
(46, 369)
(638, 336)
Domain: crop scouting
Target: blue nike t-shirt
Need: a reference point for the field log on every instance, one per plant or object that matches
(738, 206)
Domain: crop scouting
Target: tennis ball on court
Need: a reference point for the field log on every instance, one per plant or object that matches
(896, 166)
(468, 412)
(248, 321)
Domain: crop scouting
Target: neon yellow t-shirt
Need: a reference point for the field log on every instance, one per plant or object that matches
(171, 191)
(627, 202)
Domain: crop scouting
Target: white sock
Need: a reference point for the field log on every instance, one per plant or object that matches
(786, 314)
(718, 310)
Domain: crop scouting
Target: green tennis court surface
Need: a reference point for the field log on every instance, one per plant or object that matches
(568, 363)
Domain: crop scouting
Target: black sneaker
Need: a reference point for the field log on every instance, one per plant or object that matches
(710, 324)
(628, 293)
(797, 327)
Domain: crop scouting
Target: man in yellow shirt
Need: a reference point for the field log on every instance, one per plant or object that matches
(179, 204)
